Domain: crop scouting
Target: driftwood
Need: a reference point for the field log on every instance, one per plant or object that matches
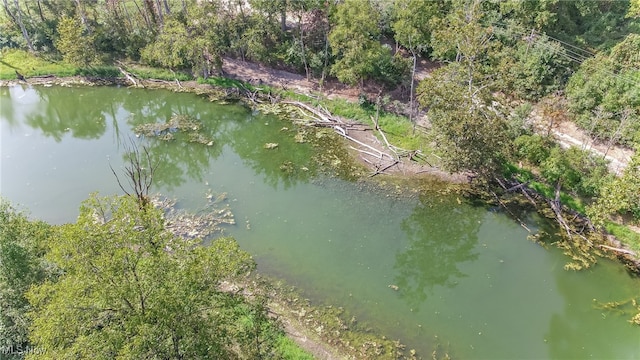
(555, 205)
(130, 77)
(364, 152)
(382, 154)
(384, 137)
(322, 117)
(619, 250)
(380, 170)
(510, 212)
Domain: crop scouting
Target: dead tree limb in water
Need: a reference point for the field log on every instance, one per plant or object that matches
(619, 250)
(129, 76)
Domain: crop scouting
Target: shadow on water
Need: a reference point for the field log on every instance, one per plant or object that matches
(441, 234)
(59, 111)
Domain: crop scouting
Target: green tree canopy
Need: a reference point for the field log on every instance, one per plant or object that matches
(469, 133)
(468, 126)
(604, 94)
(171, 48)
(355, 41)
(534, 68)
(620, 196)
(21, 246)
(131, 290)
(75, 45)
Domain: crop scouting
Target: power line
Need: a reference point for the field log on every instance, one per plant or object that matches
(570, 54)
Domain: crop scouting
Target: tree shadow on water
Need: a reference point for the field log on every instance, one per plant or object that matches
(441, 233)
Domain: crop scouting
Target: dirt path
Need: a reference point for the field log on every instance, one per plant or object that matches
(568, 134)
(256, 74)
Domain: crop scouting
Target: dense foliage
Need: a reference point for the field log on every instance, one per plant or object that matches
(21, 266)
(116, 284)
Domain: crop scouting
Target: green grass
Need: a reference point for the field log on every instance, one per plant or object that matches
(99, 71)
(625, 235)
(225, 83)
(146, 72)
(289, 350)
(548, 191)
(27, 64)
(398, 129)
(12, 60)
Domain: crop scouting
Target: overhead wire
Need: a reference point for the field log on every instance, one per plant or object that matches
(572, 55)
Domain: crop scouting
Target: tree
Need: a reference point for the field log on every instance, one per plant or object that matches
(607, 84)
(21, 249)
(411, 28)
(139, 172)
(534, 67)
(531, 15)
(197, 43)
(467, 124)
(462, 38)
(620, 196)
(354, 40)
(16, 16)
(634, 9)
(171, 48)
(575, 169)
(469, 132)
(75, 46)
(131, 290)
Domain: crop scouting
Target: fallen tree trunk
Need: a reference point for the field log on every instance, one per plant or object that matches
(130, 77)
(619, 250)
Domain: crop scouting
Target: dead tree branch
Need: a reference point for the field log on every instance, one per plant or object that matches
(139, 169)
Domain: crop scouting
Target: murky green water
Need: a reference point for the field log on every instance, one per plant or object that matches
(467, 278)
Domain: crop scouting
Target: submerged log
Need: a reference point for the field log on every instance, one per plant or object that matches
(618, 250)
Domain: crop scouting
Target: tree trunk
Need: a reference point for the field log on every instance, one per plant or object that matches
(160, 16)
(184, 8)
(304, 55)
(149, 8)
(413, 75)
(143, 14)
(40, 12)
(17, 18)
(283, 16)
(83, 16)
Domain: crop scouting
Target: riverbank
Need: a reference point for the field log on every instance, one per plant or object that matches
(301, 319)
(368, 146)
(192, 87)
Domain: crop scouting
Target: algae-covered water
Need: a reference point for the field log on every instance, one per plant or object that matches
(430, 270)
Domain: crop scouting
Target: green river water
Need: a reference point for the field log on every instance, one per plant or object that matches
(468, 279)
